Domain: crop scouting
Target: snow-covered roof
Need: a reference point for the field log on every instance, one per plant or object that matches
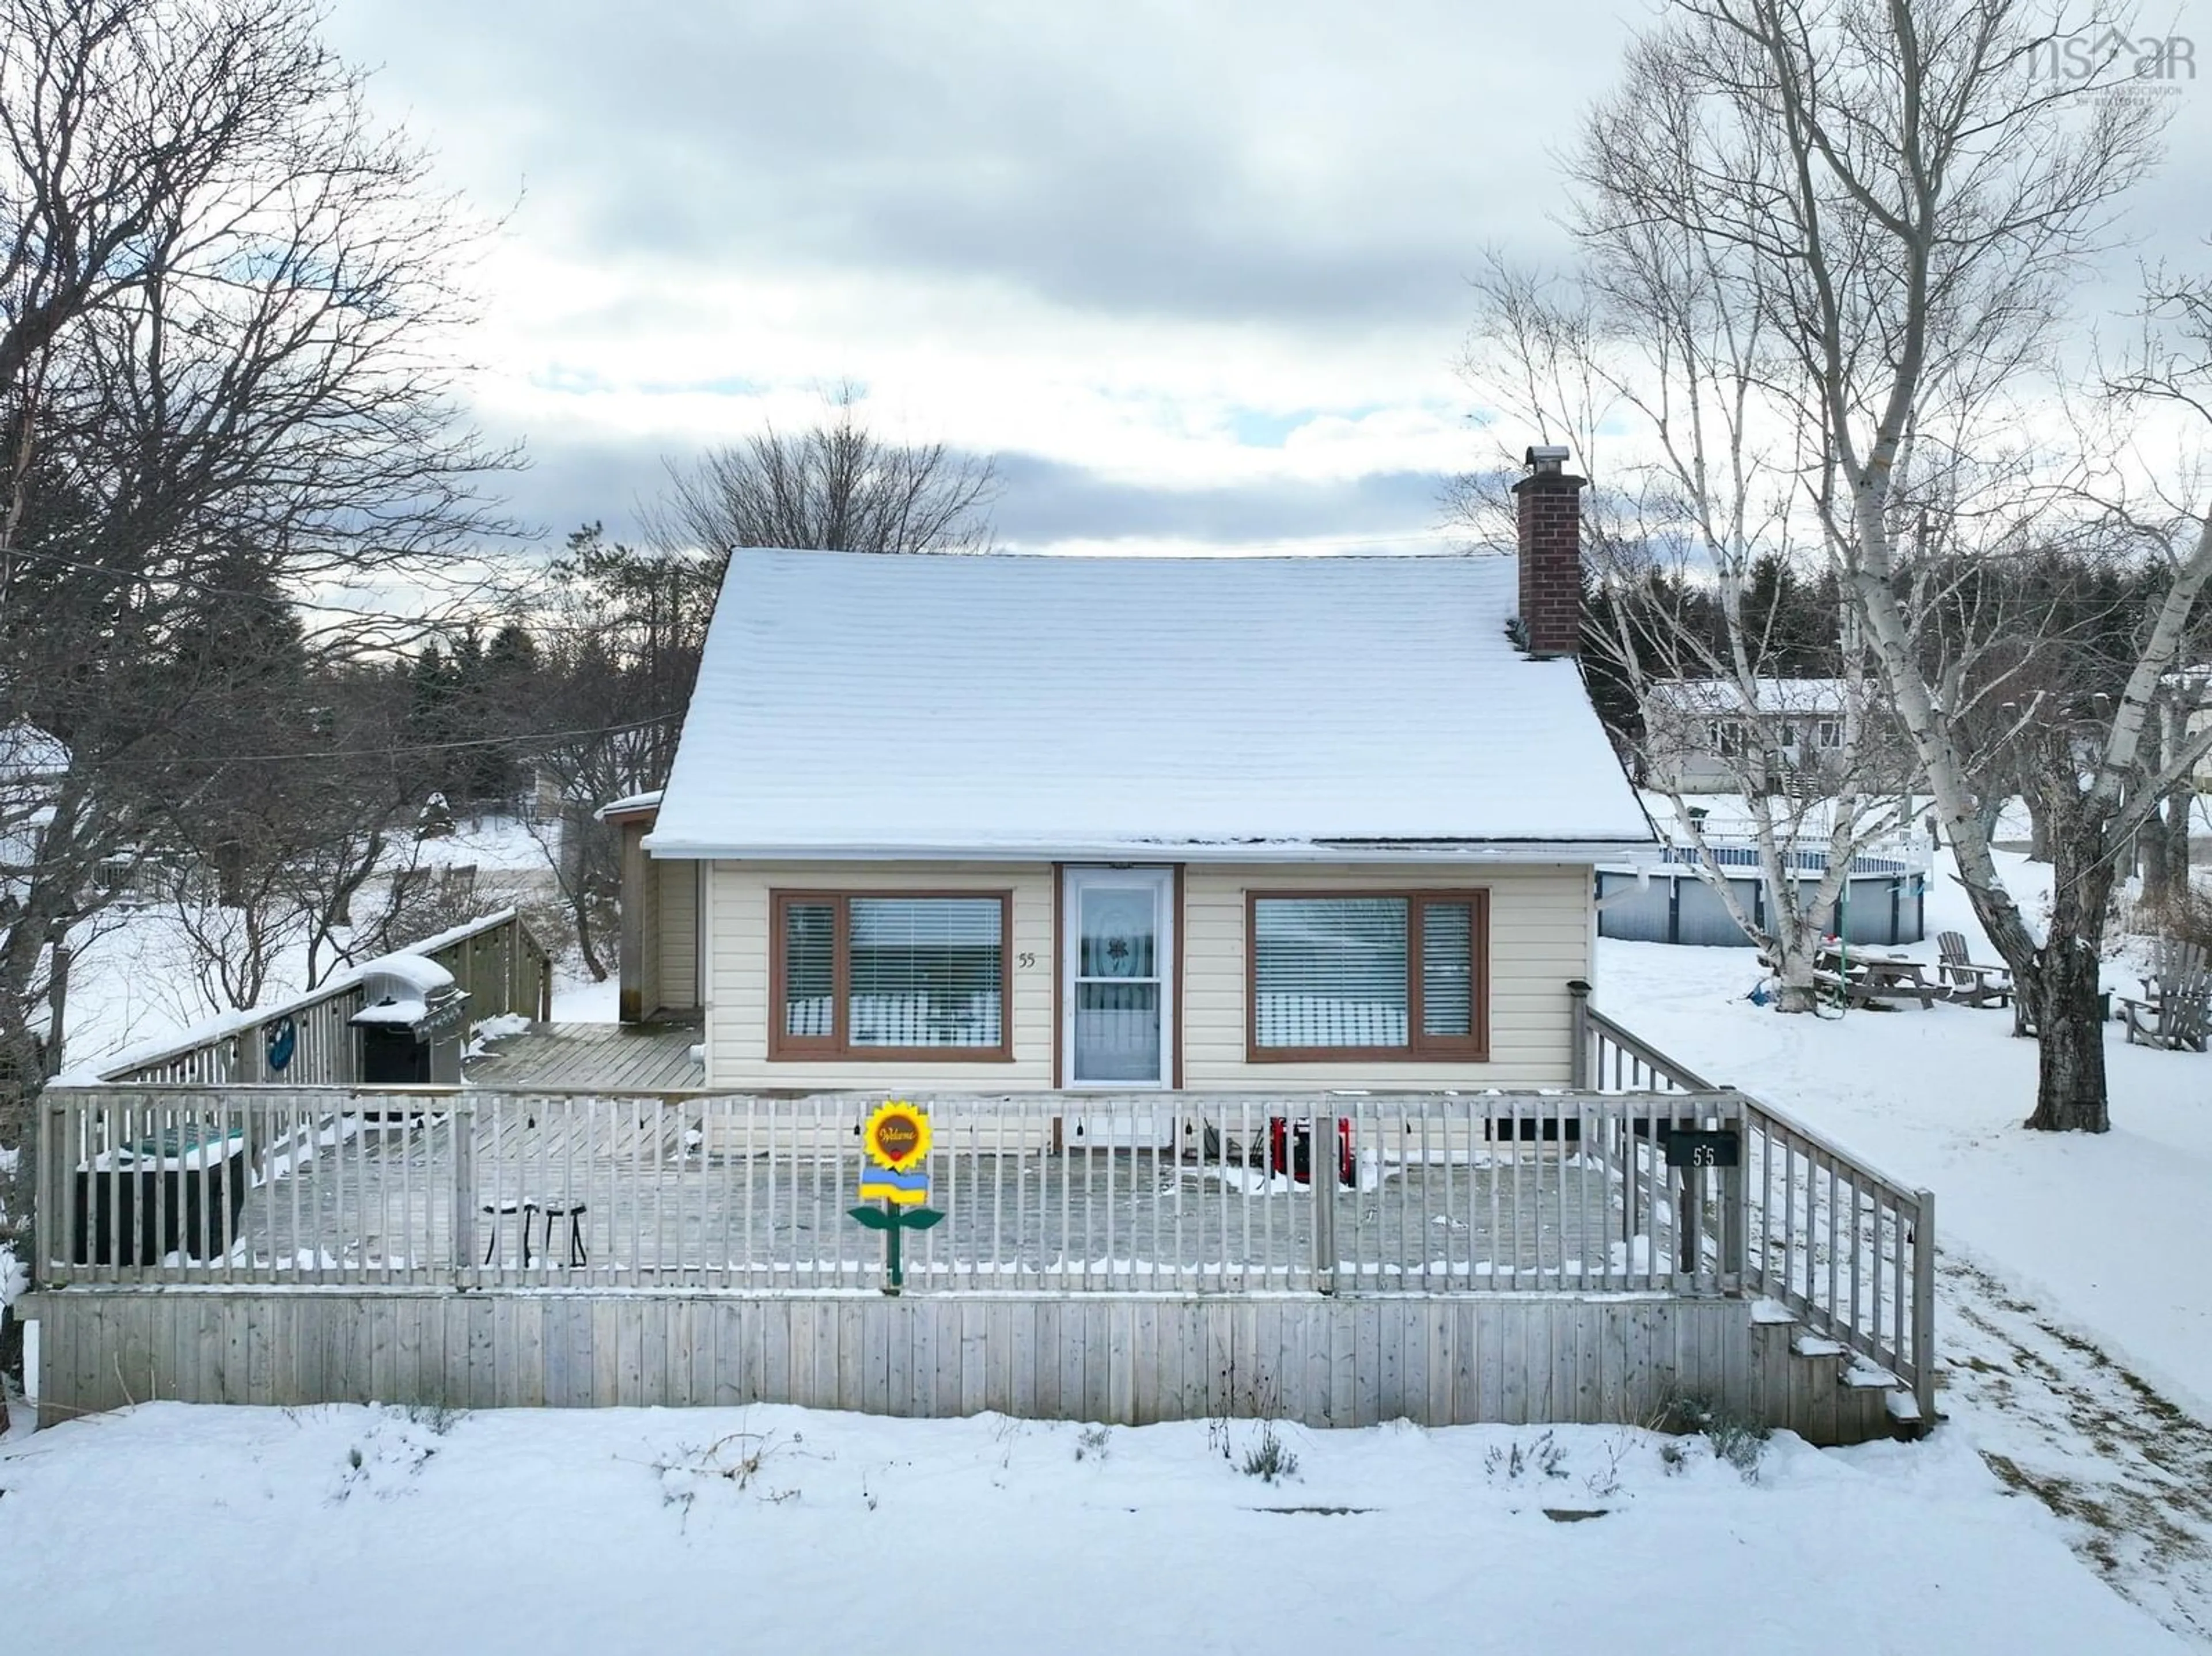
(629, 804)
(1769, 695)
(855, 704)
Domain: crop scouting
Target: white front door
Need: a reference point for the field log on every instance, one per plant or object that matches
(1117, 973)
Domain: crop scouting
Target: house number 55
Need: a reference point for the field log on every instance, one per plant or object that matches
(1026, 960)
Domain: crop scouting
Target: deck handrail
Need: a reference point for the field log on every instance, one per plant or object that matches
(1611, 1057)
(1169, 1192)
(493, 960)
(1850, 1253)
(1831, 1233)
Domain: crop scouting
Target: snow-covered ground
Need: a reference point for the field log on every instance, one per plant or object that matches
(134, 980)
(2073, 1317)
(2113, 1231)
(490, 844)
(263, 1532)
(577, 999)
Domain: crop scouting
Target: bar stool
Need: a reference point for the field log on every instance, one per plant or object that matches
(574, 1213)
(506, 1204)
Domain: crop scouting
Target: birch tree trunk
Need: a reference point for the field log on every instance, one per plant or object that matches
(2149, 848)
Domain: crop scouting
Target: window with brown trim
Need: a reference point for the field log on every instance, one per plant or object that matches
(1397, 975)
(891, 974)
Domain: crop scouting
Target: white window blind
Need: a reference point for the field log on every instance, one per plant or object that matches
(1390, 975)
(925, 971)
(810, 968)
(885, 973)
(1330, 972)
(1447, 968)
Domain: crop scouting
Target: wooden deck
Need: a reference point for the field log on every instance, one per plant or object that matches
(1480, 1256)
(654, 1211)
(617, 1058)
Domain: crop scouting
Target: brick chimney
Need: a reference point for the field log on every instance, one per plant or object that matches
(1551, 520)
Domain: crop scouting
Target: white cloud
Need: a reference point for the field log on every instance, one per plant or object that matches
(1189, 250)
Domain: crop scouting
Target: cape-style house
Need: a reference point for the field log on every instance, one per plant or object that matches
(1020, 823)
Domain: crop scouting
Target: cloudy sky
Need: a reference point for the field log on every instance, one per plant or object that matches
(1195, 272)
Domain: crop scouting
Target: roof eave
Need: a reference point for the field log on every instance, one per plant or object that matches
(631, 808)
(1479, 852)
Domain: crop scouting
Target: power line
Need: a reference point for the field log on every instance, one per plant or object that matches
(522, 739)
(193, 583)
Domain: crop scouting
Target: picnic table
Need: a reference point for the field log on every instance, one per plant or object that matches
(1878, 977)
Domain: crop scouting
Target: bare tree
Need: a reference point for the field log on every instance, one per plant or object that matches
(585, 853)
(834, 486)
(226, 306)
(1902, 194)
(615, 658)
(1639, 364)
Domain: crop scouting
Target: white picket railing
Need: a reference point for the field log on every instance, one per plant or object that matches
(1851, 1251)
(1184, 1192)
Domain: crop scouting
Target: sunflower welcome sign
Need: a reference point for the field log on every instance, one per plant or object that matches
(896, 1141)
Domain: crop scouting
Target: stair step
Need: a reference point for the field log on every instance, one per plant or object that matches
(1816, 1345)
(1772, 1313)
(1903, 1407)
(1861, 1376)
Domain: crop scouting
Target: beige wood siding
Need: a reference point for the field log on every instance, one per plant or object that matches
(1541, 921)
(737, 1008)
(678, 925)
(1539, 930)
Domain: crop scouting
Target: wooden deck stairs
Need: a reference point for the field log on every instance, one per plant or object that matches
(1825, 1373)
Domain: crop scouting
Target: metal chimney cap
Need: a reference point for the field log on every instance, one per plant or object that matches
(1545, 457)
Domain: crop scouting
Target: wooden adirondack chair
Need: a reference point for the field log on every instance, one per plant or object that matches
(2180, 1016)
(1971, 984)
(2173, 963)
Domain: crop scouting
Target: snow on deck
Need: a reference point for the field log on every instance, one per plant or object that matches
(678, 1190)
(849, 703)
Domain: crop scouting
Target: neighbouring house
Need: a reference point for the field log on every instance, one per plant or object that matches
(1704, 735)
(1024, 822)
